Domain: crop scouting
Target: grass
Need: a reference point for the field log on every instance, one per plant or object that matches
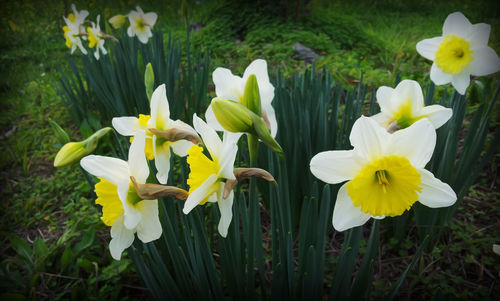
(48, 215)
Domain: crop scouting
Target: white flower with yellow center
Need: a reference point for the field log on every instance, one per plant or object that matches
(141, 24)
(404, 105)
(385, 173)
(96, 38)
(208, 175)
(122, 208)
(156, 147)
(461, 51)
(74, 29)
(232, 87)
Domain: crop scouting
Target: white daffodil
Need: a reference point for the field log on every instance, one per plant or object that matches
(385, 173)
(207, 175)
(232, 87)
(122, 208)
(74, 29)
(461, 51)
(157, 147)
(96, 38)
(404, 105)
(141, 24)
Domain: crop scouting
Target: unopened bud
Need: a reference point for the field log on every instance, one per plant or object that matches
(251, 96)
(117, 21)
(70, 153)
(233, 116)
(149, 80)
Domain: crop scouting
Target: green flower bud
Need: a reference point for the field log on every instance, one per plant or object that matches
(262, 132)
(149, 80)
(251, 96)
(232, 115)
(117, 21)
(61, 134)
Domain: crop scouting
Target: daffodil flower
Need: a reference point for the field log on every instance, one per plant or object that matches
(404, 105)
(385, 173)
(157, 147)
(208, 175)
(461, 51)
(96, 38)
(122, 208)
(232, 87)
(141, 24)
(73, 30)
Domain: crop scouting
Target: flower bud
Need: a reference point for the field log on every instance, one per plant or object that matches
(233, 116)
(262, 132)
(149, 80)
(117, 21)
(251, 96)
(71, 152)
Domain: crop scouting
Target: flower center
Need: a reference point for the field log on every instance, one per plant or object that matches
(387, 186)
(132, 197)
(71, 18)
(201, 168)
(107, 197)
(404, 116)
(453, 54)
(139, 24)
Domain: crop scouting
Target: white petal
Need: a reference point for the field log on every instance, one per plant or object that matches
(439, 77)
(456, 23)
(150, 18)
(335, 166)
(271, 117)
(199, 194)
(479, 35)
(149, 228)
(460, 82)
(384, 95)
(428, 47)
(345, 214)
(368, 138)
(212, 120)
(437, 115)
(226, 211)
(209, 137)
(160, 111)
(181, 125)
(227, 85)
(416, 143)
(408, 91)
(138, 165)
(382, 118)
(121, 238)
(435, 194)
(181, 147)
(130, 32)
(112, 169)
(162, 160)
(266, 89)
(226, 161)
(486, 61)
(132, 217)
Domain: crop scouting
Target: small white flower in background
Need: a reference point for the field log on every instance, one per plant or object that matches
(404, 105)
(232, 87)
(385, 173)
(96, 38)
(141, 24)
(156, 147)
(207, 175)
(460, 52)
(122, 208)
(74, 29)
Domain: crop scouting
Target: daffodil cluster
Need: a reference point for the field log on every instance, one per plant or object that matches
(140, 23)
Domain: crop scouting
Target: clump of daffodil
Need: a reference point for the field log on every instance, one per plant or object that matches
(141, 24)
(72, 152)
(460, 52)
(118, 21)
(233, 87)
(404, 105)
(162, 133)
(96, 38)
(384, 172)
(122, 207)
(74, 29)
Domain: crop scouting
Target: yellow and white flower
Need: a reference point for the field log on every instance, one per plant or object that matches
(232, 87)
(404, 105)
(208, 175)
(385, 173)
(141, 24)
(156, 147)
(461, 51)
(122, 208)
(74, 29)
(96, 38)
